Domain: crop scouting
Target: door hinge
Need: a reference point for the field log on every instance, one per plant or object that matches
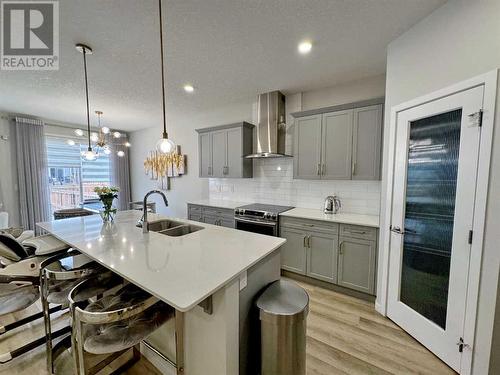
(471, 233)
(477, 118)
(461, 345)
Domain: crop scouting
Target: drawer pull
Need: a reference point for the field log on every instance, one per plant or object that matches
(357, 231)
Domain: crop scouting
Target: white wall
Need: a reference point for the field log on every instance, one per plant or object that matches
(366, 88)
(181, 129)
(273, 178)
(456, 42)
(8, 172)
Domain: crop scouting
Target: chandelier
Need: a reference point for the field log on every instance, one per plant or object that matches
(105, 139)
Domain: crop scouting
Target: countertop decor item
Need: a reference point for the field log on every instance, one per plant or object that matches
(106, 196)
(162, 167)
(164, 145)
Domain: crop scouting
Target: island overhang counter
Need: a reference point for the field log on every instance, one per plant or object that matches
(227, 265)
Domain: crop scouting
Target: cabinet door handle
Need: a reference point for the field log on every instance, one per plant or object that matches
(341, 252)
(323, 171)
(309, 242)
(353, 171)
(318, 170)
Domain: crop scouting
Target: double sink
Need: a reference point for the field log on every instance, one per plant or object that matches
(172, 228)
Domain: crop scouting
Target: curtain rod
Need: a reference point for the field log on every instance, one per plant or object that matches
(50, 122)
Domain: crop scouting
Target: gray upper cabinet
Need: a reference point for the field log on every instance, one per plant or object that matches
(222, 150)
(366, 143)
(219, 152)
(339, 145)
(205, 150)
(234, 153)
(307, 147)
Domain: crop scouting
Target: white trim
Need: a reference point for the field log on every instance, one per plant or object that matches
(489, 80)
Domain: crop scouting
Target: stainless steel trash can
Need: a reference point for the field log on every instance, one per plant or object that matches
(283, 309)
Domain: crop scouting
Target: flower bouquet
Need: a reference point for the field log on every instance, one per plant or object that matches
(106, 195)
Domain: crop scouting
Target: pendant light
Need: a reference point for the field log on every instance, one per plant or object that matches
(89, 154)
(164, 145)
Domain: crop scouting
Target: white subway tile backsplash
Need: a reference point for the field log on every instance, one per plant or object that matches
(273, 183)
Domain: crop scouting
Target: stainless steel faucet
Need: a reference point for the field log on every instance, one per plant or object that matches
(145, 228)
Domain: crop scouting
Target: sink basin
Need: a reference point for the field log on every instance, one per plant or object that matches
(161, 225)
(181, 230)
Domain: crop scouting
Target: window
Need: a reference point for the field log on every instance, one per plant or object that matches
(72, 180)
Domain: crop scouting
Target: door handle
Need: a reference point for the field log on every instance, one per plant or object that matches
(323, 169)
(341, 252)
(309, 242)
(304, 241)
(318, 170)
(396, 230)
(353, 168)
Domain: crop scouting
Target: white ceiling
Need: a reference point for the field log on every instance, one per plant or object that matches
(230, 50)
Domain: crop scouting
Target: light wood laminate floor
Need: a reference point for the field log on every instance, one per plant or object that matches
(344, 336)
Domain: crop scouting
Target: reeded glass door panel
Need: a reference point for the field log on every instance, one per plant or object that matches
(433, 152)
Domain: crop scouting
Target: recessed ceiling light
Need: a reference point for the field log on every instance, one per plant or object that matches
(188, 88)
(70, 142)
(117, 134)
(79, 132)
(304, 47)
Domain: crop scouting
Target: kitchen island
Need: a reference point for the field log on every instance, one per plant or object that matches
(219, 268)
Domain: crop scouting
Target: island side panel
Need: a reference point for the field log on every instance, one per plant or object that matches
(258, 277)
(211, 341)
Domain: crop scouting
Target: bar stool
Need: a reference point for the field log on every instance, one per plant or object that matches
(113, 324)
(58, 276)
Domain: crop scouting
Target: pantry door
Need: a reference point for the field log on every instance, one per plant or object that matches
(436, 160)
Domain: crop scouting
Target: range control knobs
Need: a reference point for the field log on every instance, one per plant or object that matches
(274, 217)
(267, 215)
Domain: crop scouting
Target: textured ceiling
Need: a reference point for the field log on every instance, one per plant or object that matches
(230, 50)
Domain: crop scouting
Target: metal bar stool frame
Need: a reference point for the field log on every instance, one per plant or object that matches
(81, 317)
(33, 280)
(46, 277)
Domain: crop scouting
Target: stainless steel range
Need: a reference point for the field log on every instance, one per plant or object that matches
(259, 218)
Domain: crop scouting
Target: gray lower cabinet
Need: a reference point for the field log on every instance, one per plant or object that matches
(322, 256)
(310, 252)
(211, 215)
(293, 252)
(222, 150)
(336, 253)
(357, 264)
(339, 145)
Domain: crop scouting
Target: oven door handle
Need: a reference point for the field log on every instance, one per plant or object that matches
(256, 222)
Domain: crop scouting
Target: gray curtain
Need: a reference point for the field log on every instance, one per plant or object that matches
(120, 174)
(32, 172)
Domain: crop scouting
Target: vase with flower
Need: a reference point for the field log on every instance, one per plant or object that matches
(106, 195)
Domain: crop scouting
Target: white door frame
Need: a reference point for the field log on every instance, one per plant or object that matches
(489, 80)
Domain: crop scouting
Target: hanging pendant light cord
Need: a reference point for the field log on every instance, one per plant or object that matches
(84, 51)
(162, 74)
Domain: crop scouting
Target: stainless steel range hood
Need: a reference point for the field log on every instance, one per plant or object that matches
(271, 128)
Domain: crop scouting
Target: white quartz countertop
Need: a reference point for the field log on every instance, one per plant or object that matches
(341, 218)
(181, 271)
(218, 203)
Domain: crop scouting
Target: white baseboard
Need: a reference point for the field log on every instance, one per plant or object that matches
(163, 366)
